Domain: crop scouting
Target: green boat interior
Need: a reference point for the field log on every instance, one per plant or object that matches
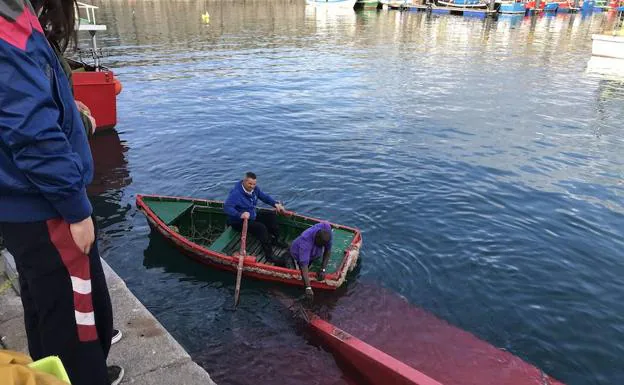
(204, 223)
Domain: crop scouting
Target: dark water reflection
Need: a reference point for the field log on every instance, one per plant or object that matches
(479, 157)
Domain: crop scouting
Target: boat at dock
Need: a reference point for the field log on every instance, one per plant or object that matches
(198, 228)
(462, 4)
(349, 4)
(94, 85)
(512, 7)
(551, 7)
(533, 7)
(367, 4)
(558, 6)
(395, 4)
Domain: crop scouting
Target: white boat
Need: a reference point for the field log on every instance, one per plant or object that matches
(611, 46)
(333, 3)
(395, 3)
(607, 54)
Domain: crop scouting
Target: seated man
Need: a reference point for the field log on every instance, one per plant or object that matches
(309, 246)
(241, 204)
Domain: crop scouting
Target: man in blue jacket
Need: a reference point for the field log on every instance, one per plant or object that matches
(45, 214)
(241, 204)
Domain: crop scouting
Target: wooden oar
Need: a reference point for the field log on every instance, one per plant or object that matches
(241, 260)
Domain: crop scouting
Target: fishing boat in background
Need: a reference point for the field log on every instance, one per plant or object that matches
(367, 4)
(198, 229)
(532, 7)
(333, 3)
(462, 4)
(512, 7)
(394, 4)
(564, 6)
(95, 85)
(551, 7)
(587, 6)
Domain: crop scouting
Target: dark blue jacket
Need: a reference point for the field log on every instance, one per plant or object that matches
(45, 160)
(239, 201)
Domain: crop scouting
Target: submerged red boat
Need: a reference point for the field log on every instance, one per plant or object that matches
(371, 364)
(407, 345)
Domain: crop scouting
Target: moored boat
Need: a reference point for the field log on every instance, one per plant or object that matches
(367, 4)
(95, 85)
(532, 6)
(551, 7)
(333, 3)
(462, 4)
(512, 7)
(198, 228)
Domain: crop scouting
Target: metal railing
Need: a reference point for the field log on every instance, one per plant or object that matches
(90, 10)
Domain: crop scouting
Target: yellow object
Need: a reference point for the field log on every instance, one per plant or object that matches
(206, 17)
(15, 369)
(51, 365)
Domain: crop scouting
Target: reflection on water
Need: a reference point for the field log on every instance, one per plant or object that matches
(480, 158)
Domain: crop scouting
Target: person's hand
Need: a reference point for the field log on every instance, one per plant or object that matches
(320, 276)
(83, 107)
(279, 208)
(309, 294)
(83, 234)
(86, 111)
(93, 125)
(245, 215)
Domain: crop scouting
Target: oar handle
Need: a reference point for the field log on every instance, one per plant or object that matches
(243, 249)
(241, 261)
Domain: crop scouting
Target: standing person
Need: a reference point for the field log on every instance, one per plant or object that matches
(45, 214)
(241, 204)
(47, 10)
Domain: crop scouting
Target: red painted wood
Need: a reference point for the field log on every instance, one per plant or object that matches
(97, 91)
(372, 364)
(427, 343)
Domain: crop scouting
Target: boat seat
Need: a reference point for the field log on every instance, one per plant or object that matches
(220, 244)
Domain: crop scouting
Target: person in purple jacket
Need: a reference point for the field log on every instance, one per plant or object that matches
(310, 245)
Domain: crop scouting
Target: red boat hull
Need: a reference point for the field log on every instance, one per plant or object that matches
(98, 90)
(371, 364)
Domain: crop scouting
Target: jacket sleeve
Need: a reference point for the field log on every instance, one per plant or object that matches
(265, 198)
(230, 206)
(29, 128)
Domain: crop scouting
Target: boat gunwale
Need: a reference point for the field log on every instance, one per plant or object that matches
(229, 262)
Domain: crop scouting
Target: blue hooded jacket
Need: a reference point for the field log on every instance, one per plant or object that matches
(240, 201)
(45, 160)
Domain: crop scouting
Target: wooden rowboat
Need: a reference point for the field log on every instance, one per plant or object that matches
(198, 228)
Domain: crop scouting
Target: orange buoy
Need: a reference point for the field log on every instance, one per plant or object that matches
(118, 86)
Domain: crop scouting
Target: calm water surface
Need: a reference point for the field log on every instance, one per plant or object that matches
(481, 160)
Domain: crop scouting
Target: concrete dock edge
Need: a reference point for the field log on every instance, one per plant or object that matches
(147, 352)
